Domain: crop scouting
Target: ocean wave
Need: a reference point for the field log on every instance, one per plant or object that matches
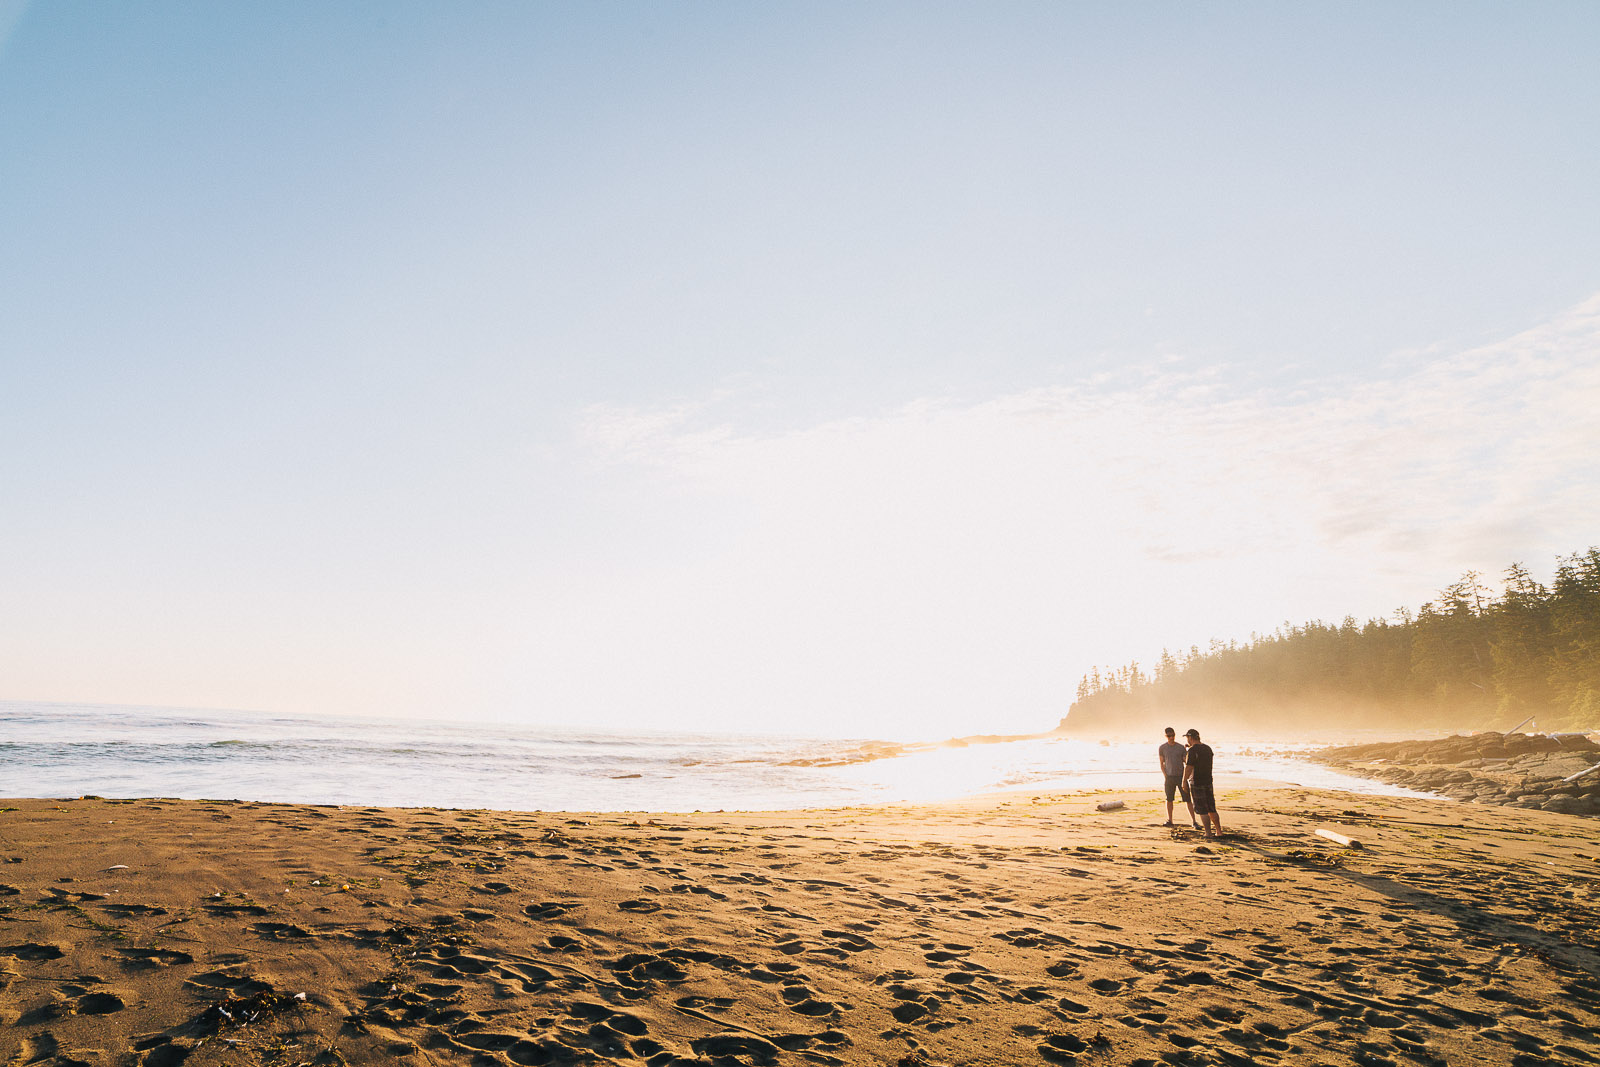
(154, 752)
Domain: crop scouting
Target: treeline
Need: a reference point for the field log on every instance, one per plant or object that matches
(1470, 658)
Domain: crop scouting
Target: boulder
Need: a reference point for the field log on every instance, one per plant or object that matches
(1521, 770)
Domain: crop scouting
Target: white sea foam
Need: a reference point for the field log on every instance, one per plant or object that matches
(61, 750)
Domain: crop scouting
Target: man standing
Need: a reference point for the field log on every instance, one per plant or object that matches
(1197, 776)
(1169, 757)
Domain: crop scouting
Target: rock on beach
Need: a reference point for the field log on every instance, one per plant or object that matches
(1521, 770)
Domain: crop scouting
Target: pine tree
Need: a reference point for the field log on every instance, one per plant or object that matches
(1519, 646)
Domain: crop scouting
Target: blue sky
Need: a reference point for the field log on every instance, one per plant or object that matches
(879, 367)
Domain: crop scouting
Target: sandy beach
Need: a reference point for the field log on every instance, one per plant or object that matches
(1014, 930)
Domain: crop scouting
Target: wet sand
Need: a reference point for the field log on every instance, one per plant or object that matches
(1014, 930)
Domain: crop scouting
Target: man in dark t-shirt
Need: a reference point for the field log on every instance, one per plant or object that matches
(1197, 776)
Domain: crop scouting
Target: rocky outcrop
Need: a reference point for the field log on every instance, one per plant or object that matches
(1521, 770)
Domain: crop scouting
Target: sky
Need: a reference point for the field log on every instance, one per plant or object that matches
(861, 370)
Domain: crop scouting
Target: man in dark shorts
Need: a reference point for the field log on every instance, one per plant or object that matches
(1169, 757)
(1197, 775)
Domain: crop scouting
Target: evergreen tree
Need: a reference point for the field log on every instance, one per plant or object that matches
(1575, 631)
(1519, 645)
(1465, 658)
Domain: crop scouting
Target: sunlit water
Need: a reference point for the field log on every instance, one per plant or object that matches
(55, 750)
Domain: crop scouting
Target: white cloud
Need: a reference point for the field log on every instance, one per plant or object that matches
(951, 567)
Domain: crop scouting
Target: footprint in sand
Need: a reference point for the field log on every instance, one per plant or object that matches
(1062, 1048)
(37, 1049)
(103, 1002)
(642, 907)
(1030, 937)
(917, 1000)
(154, 957)
(910, 1011)
(438, 990)
(803, 1001)
(280, 931)
(1193, 978)
(620, 1021)
(128, 911)
(63, 896)
(455, 962)
(737, 1048)
(641, 970)
(33, 951)
(827, 1039)
(700, 889)
(707, 1003)
(160, 1051)
(236, 909)
(240, 985)
(513, 1045)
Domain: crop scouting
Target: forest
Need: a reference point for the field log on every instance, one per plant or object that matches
(1469, 659)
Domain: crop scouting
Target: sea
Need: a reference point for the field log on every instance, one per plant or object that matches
(71, 750)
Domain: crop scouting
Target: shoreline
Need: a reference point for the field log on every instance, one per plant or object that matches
(1129, 785)
(1332, 778)
(145, 754)
(1024, 928)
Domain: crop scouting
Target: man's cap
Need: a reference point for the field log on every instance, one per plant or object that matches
(1191, 732)
(1169, 730)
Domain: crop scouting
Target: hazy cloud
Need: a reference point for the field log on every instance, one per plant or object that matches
(1030, 534)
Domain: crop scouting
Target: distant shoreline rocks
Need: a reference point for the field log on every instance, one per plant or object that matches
(1517, 770)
